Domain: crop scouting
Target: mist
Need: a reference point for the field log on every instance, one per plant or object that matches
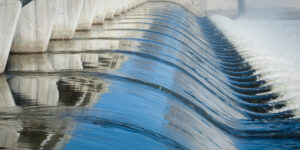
(269, 9)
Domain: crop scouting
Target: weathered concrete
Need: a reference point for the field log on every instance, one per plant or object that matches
(9, 14)
(100, 12)
(35, 26)
(110, 7)
(67, 19)
(88, 13)
(119, 6)
(125, 6)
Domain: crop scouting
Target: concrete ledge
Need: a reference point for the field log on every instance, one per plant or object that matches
(88, 13)
(67, 19)
(9, 14)
(35, 26)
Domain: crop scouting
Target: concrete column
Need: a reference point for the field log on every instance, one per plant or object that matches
(110, 7)
(135, 3)
(119, 7)
(125, 6)
(9, 15)
(35, 26)
(67, 19)
(100, 12)
(88, 13)
(82, 45)
(131, 4)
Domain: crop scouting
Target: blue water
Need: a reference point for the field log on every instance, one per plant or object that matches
(157, 77)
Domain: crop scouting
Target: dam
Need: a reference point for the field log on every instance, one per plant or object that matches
(149, 74)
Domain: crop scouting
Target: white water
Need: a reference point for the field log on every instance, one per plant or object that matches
(272, 47)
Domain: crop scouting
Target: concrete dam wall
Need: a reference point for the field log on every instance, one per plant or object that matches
(26, 26)
(28, 29)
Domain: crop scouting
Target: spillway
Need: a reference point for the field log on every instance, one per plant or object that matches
(157, 77)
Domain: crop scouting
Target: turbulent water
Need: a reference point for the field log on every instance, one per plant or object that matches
(157, 77)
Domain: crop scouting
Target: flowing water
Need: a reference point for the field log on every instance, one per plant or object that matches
(157, 77)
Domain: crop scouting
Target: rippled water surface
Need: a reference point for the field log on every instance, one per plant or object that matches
(157, 77)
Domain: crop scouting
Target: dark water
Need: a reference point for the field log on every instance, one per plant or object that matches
(155, 78)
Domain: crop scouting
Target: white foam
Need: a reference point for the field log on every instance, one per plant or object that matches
(272, 47)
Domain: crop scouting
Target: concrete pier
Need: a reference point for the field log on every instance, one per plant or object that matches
(119, 7)
(100, 12)
(67, 19)
(110, 7)
(35, 26)
(9, 15)
(87, 15)
(41, 20)
(125, 6)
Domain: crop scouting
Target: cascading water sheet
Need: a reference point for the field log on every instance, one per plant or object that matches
(157, 77)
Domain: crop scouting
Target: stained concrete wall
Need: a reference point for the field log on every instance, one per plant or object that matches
(67, 19)
(35, 26)
(87, 15)
(9, 15)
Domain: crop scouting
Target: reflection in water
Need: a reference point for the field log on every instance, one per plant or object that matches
(66, 61)
(49, 97)
(34, 91)
(155, 78)
(29, 62)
